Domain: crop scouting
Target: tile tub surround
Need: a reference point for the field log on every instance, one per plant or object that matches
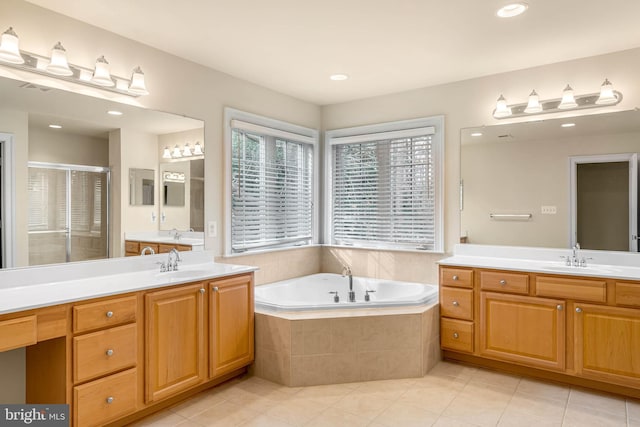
(333, 347)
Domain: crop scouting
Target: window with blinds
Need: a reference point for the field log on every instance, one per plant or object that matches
(385, 189)
(271, 189)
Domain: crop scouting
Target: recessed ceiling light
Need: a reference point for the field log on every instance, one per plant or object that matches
(512, 9)
(568, 125)
(114, 112)
(476, 134)
(55, 126)
(338, 77)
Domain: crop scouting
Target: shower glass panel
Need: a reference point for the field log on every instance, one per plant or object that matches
(68, 213)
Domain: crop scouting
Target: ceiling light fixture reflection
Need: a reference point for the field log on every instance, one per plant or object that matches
(512, 9)
(476, 134)
(114, 113)
(568, 125)
(338, 77)
(55, 126)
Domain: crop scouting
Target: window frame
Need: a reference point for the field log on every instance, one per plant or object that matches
(376, 132)
(279, 127)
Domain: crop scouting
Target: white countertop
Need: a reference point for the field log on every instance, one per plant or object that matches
(193, 238)
(604, 264)
(43, 286)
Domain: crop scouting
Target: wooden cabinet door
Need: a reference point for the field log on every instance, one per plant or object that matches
(526, 330)
(231, 324)
(175, 340)
(607, 341)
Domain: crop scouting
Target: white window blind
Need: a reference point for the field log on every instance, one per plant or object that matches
(385, 189)
(271, 190)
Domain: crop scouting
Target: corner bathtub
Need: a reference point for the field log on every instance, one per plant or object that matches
(313, 293)
(303, 338)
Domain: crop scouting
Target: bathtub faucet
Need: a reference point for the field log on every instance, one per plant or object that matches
(346, 271)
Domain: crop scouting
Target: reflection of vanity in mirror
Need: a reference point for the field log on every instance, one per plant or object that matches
(552, 183)
(88, 182)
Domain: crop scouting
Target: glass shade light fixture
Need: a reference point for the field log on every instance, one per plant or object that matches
(533, 106)
(568, 99)
(101, 74)
(607, 95)
(502, 110)
(166, 153)
(137, 85)
(197, 149)
(58, 64)
(9, 49)
(176, 153)
(186, 152)
(512, 9)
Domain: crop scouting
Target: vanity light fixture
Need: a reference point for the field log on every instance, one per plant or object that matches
(197, 149)
(186, 152)
(58, 67)
(569, 101)
(137, 85)
(101, 74)
(9, 50)
(607, 94)
(166, 153)
(176, 153)
(533, 106)
(502, 110)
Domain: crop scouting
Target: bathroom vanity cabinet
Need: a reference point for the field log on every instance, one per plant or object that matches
(580, 330)
(134, 247)
(117, 358)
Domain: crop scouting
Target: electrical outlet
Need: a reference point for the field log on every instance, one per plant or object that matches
(212, 229)
(548, 210)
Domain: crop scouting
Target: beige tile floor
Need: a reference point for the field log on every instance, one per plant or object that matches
(451, 395)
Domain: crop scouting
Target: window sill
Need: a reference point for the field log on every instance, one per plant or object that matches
(271, 250)
(385, 249)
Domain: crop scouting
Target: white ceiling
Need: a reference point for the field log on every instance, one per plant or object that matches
(385, 46)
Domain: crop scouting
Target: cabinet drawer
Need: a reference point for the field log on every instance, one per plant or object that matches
(457, 303)
(456, 335)
(627, 294)
(102, 314)
(104, 400)
(459, 277)
(131, 246)
(103, 352)
(575, 289)
(163, 248)
(504, 282)
(183, 248)
(19, 332)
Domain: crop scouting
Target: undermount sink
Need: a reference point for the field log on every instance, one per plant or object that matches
(577, 270)
(182, 274)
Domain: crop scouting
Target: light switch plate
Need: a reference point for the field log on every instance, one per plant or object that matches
(212, 229)
(548, 210)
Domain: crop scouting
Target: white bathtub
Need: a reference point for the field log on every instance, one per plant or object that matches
(313, 293)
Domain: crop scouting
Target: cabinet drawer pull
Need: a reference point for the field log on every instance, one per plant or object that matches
(109, 400)
(559, 307)
(109, 352)
(109, 314)
(215, 289)
(455, 335)
(455, 303)
(202, 290)
(455, 278)
(578, 310)
(503, 282)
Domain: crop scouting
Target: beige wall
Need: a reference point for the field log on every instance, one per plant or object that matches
(538, 175)
(58, 146)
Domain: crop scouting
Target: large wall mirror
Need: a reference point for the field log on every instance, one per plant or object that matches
(78, 163)
(552, 183)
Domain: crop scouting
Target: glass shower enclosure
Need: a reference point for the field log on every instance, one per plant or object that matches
(68, 218)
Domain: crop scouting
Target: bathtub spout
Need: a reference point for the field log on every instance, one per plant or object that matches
(346, 271)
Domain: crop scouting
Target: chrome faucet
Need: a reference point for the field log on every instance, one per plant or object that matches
(346, 271)
(176, 234)
(147, 249)
(574, 255)
(173, 266)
